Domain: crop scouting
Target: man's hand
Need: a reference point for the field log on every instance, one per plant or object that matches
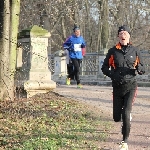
(140, 70)
(116, 77)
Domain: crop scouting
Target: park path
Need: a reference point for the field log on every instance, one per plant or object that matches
(101, 98)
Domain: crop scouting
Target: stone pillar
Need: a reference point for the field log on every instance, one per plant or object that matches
(39, 76)
(60, 66)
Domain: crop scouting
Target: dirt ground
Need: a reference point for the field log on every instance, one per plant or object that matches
(100, 97)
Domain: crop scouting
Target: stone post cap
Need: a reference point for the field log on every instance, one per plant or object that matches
(60, 53)
(34, 31)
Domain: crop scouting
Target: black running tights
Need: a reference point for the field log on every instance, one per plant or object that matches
(122, 107)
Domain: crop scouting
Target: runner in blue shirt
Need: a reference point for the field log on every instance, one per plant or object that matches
(74, 45)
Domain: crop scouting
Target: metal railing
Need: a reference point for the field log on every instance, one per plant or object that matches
(51, 63)
(146, 59)
(90, 63)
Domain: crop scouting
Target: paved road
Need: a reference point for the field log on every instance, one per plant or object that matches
(101, 98)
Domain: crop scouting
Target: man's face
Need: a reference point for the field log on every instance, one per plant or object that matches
(124, 37)
(77, 33)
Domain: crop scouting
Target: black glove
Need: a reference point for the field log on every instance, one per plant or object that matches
(117, 78)
(82, 46)
(141, 70)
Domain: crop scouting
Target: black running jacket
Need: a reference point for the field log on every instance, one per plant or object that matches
(125, 60)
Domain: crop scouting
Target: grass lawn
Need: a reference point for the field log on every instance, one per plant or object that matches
(50, 122)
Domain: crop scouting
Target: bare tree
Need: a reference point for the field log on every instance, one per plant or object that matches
(15, 10)
(60, 16)
(105, 27)
(8, 40)
(4, 63)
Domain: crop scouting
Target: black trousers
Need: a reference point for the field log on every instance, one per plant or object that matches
(123, 97)
(70, 70)
(76, 70)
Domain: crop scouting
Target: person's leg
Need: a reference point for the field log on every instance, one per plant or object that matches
(117, 104)
(126, 113)
(68, 79)
(75, 72)
(70, 70)
(79, 61)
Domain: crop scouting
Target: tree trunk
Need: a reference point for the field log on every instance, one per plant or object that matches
(15, 10)
(5, 28)
(63, 28)
(98, 46)
(105, 25)
(1, 45)
(88, 22)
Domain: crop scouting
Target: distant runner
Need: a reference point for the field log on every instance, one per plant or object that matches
(74, 44)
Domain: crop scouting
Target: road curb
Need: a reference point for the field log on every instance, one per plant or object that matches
(101, 83)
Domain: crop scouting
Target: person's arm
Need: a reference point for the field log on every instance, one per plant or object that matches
(67, 43)
(108, 68)
(140, 64)
(83, 45)
(108, 62)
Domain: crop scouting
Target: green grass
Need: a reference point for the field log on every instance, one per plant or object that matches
(50, 122)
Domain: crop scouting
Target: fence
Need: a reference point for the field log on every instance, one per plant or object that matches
(146, 58)
(90, 63)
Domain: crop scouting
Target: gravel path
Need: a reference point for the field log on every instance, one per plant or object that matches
(101, 98)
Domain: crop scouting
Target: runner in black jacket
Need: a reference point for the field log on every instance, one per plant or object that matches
(121, 64)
